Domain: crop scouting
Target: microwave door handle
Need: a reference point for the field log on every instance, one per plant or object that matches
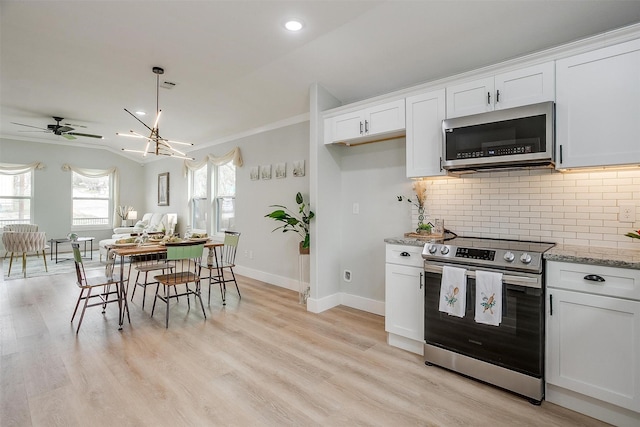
(488, 98)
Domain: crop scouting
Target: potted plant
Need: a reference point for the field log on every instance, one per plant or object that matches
(424, 228)
(298, 223)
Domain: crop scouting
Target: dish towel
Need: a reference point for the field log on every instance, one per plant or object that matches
(488, 297)
(453, 291)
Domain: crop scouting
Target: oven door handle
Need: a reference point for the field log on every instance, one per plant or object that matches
(529, 282)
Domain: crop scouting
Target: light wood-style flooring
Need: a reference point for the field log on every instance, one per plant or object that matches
(260, 361)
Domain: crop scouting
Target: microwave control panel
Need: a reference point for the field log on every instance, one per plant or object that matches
(493, 152)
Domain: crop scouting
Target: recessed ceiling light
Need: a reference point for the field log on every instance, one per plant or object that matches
(141, 113)
(294, 25)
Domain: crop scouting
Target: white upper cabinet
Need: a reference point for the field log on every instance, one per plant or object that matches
(598, 107)
(368, 124)
(425, 113)
(526, 86)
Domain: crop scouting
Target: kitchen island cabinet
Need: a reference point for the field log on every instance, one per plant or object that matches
(425, 113)
(404, 297)
(597, 109)
(593, 340)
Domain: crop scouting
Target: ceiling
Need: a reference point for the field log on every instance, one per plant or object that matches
(237, 69)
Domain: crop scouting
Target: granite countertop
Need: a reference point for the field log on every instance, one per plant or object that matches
(595, 255)
(592, 255)
(407, 241)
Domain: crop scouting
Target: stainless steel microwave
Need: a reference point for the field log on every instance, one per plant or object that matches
(511, 138)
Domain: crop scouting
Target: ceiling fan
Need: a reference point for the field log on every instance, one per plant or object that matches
(64, 130)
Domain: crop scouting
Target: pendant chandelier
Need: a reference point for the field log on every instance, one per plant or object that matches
(161, 146)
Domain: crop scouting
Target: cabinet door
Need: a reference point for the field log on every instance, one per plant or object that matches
(593, 346)
(385, 118)
(598, 105)
(347, 126)
(425, 113)
(404, 301)
(470, 98)
(529, 85)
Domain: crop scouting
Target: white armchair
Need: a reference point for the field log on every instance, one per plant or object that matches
(21, 227)
(23, 242)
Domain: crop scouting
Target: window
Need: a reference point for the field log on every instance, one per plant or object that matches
(199, 200)
(16, 194)
(225, 197)
(92, 205)
(221, 191)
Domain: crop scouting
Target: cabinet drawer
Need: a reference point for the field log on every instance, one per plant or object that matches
(618, 282)
(405, 255)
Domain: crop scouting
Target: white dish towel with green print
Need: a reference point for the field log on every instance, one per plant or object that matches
(488, 298)
(453, 291)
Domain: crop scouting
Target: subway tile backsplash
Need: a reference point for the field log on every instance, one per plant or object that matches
(574, 208)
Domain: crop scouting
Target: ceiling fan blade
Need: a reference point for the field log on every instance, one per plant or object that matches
(75, 125)
(29, 126)
(86, 135)
(38, 131)
(68, 136)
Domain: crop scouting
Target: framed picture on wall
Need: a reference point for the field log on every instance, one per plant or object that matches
(163, 189)
(254, 173)
(265, 172)
(281, 170)
(298, 168)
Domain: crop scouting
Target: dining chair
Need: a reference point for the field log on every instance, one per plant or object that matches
(185, 258)
(225, 261)
(146, 264)
(87, 284)
(22, 242)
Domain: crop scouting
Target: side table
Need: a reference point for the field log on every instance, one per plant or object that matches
(56, 242)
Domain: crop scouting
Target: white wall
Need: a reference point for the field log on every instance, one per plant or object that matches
(52, 185)
(372, 176)
(274, 255)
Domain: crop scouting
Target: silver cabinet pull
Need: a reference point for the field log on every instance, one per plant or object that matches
(594, 278)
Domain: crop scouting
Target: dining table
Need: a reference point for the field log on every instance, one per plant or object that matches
(130, 250)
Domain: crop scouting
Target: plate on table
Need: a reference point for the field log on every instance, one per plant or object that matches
(198, 239)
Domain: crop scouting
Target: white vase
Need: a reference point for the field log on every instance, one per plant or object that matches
(124, 223)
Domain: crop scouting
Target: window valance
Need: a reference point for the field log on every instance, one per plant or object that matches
(9, 169)
(232, 156)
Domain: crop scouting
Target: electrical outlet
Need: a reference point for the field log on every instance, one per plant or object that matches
(347, 276)
(627, 213)
(250, 254)
(246, 253)
(356, 208)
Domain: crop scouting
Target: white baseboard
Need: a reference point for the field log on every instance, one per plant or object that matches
(362, 303)
(318, 305)
(272, 279)
(315, 305)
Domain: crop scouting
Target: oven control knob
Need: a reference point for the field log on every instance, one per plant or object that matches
(509, 257)
(444, 250)
(525, 258)
(432, 249)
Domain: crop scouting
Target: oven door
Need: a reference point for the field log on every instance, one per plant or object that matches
(516, 344)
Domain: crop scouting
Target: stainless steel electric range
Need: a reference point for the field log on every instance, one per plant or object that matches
(509, 355)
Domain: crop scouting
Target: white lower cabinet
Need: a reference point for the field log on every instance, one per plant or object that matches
(404, 297)
(593, 341)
